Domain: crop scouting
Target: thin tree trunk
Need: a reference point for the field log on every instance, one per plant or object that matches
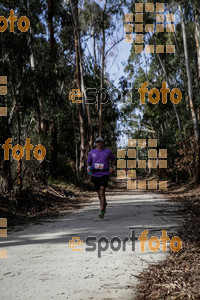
(84, 92)
(54, 149)
(52, 51)
(5, 165)
(169, 84)
(190, 91)
(74, 9)
(37, 99)
(80, 70)
(102, 72)
(95, 55)
(174, 106)
(50, 13)
(172, 10)
(19, 178)
(76, 144)
(197, 37)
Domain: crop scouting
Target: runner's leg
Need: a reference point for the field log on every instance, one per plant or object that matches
(97, 186)
(102, 197)
(106, 178)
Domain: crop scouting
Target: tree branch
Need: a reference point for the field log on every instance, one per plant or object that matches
(113, 46)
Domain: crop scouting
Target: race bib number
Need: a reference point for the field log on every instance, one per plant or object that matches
(99, 166)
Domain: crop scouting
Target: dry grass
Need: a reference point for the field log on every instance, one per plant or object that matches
(178, 277)
(41, 202)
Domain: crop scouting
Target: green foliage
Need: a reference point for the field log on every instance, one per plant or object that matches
(159, 118)
(39, 83)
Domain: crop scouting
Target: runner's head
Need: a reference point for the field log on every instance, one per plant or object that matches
(99, 143)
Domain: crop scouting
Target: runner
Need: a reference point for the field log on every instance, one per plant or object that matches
(98, 159)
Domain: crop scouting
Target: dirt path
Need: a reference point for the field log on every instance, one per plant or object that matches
(40, 264)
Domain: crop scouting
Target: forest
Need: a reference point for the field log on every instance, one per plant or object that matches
(53, 57)
(72, 71)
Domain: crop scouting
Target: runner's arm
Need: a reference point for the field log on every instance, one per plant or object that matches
(113, 167)
(89, 161)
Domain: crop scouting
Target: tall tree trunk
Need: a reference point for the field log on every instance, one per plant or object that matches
(83, 89)
(197, 36)
(79, 61)
(50, 13)
(89, 126)
(19, 177)
(76, 144)
(52, 51)
(102, 71)
(190, 92)
(54, 149)
(169, 84)
(5, 165)
(74, 8)
(95, 55)
(38, 100)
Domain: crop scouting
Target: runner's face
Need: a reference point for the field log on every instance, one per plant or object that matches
(99, 145)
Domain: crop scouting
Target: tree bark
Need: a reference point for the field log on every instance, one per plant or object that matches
(50, 13)
(95, 55)
(54, 149)
(197, 36)
(19, 177)
(38, 100)
(76, 144)
(5, 165)
(102, 72)
(174, 106)
(74, 9)
(190, 92)
(52, 51)
(83, 89)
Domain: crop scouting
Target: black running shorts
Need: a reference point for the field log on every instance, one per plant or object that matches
(100, 181)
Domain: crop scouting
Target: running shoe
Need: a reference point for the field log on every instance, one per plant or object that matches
(106, 204)
(101, 215)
